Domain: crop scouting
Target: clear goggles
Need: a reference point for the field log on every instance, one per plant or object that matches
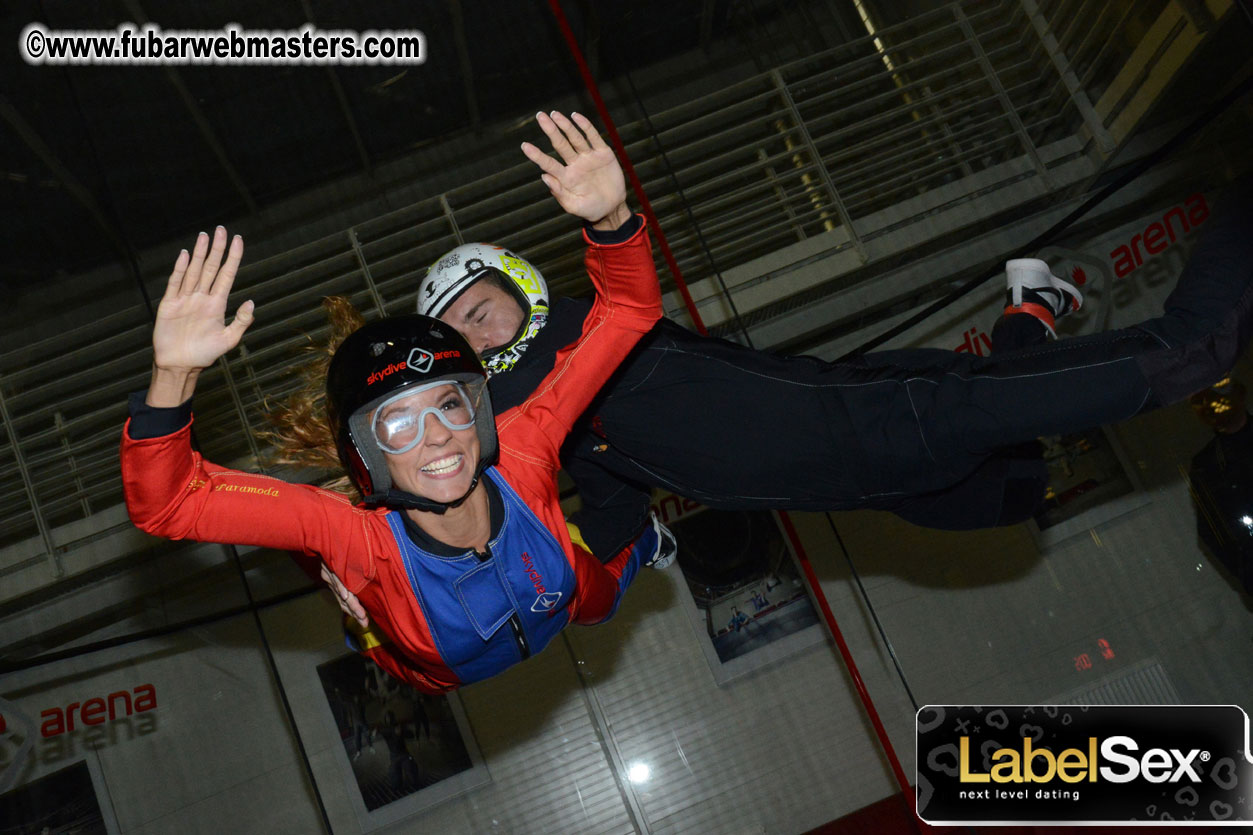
(400, 421)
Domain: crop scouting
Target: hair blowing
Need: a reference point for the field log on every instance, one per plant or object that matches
(301, 434)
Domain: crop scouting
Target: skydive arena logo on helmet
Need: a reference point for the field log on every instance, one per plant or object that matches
(1020, 765)
(384, 372)
(420, 360)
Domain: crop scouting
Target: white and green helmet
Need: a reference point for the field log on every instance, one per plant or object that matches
(455, 271)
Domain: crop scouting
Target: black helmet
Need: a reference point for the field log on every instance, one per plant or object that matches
(376, 362)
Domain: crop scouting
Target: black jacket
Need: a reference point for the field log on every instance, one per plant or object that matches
(705, 418)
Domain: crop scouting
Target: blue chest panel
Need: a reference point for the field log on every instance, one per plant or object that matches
(468, 603)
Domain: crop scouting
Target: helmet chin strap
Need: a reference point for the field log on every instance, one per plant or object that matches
(402, 499)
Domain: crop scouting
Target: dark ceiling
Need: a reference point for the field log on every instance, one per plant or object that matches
(99, 162)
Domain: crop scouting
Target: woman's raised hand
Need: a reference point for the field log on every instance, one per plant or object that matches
(590, 183)
(191, 330)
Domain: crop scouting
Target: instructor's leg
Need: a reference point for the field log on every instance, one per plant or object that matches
(1009, 486)
(976, 405)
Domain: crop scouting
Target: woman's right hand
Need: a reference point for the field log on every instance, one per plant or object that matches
(191, 333)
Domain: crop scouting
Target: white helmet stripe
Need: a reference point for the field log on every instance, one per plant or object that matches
(450, 293)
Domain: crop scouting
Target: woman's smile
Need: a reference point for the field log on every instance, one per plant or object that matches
(449, 465)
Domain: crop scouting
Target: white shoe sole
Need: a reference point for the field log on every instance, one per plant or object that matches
(1034, 274)
(658, 561)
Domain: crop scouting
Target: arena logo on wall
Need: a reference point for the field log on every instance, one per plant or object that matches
(98, 710)
(92, 723)
(1050, 764)
(1146, 257)
(1124, 273)
(1159, 234)
(670, 508)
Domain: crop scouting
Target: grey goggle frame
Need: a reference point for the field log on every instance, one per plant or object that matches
(420, 420)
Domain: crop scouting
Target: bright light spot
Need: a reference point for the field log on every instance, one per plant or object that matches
(639, 772)
(1247, 520)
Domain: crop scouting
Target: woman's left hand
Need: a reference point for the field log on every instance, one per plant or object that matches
(347, 601)
(590, 184)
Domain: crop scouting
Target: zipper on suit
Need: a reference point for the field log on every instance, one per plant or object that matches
(515, 623)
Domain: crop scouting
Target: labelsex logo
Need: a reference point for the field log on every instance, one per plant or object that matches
(1039, 765)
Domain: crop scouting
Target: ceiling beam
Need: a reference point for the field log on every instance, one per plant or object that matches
(64, 176)
(707, 24)
(337, 88)
(463, 58)
(198, 116)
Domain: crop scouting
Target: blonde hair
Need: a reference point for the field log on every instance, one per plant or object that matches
(301, 433)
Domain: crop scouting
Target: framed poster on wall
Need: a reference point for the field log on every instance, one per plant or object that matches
(740, 587)
(401, 751)
(67, 800)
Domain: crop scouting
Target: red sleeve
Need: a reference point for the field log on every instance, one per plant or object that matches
(628, 303)
(600, 587)
(171, 491)
(401, 668)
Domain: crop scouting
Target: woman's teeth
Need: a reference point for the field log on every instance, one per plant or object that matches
(443, 465)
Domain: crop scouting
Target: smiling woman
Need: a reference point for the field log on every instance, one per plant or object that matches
(420, 436)
(459, 552)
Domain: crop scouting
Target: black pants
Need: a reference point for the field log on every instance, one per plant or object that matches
(735, 428)
(962, 411)
(1008, 487)
(932, 435)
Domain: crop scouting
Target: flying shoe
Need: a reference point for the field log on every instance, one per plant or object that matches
(667, 547)
(1032, 288)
